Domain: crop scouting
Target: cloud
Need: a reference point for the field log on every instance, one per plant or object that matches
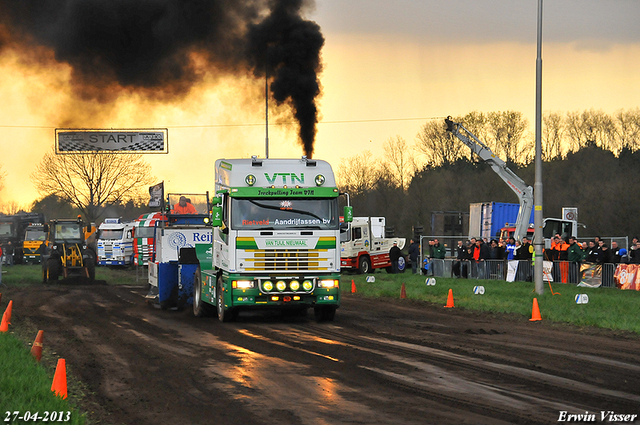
(486, 21)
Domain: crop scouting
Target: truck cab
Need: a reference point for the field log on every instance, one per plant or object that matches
(115, 243)
(368, 248)
(551, 227)
(34, 238)
(144, 230)
(276, 236)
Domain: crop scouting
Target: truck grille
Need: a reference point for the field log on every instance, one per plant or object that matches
(287, 258)
(274, 259)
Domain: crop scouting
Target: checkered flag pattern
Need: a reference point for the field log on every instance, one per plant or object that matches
(76, 141)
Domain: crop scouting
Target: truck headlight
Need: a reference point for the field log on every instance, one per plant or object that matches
(243, 284)
(294, 285)
(267, 286)
(329, 283)
(307, 285)
(281, 285)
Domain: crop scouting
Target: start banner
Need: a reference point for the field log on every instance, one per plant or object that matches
(627, 276)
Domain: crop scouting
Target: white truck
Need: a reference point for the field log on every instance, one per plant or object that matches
(115, 243)
(368, 248)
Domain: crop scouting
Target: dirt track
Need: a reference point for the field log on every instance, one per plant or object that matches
(379, 362)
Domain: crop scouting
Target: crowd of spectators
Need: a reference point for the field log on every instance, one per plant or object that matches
(561, 249)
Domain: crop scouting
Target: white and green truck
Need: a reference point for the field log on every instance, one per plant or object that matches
(276, 239)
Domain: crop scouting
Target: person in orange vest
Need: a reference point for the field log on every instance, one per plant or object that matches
(562, 246)
(184, 207)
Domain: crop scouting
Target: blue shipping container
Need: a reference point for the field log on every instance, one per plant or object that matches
(496, 215)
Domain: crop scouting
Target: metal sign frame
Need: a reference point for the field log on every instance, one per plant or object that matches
(127, 141)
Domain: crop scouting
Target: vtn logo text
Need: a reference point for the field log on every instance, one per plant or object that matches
(293, 178)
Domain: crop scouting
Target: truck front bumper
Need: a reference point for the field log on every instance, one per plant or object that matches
(258, 296)
(349, 263)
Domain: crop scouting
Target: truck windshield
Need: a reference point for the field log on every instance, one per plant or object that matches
(145, 232)
(191, 203)
(111, 234)
(278, 214)
(69, 232)
(35, 235)
(5, 229)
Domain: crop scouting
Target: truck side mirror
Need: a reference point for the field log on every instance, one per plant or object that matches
(46, 228)
(348, 214)
(345, 234)
(216, 216)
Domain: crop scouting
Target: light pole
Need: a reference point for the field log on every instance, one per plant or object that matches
(266, 114)
(538, 240)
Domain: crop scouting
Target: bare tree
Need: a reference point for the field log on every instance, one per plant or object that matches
(358, 174)
(507, 129)
(399, 162)
(91, 180)
(628, 123)
(11, 208)
(437, 145)
(591, 128)
(552, 135)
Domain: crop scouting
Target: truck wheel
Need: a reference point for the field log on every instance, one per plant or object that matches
(52, 271)
(224, 314)
(91, 266)
(364, 265)
(324, 313)
(200, 308)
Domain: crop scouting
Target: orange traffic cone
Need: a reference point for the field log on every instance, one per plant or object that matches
(6, 318)
(59, 385)
(353, 287)
(450, 299)
(403, 291)
(535, 312)
(36, 348)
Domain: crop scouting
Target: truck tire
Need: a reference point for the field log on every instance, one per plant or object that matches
(52, 270)
(200, 308)
(224, 314)
(364, 265)
(91, 266)
(324, 313)
(91, 269)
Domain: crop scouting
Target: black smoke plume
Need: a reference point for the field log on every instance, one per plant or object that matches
(147, 46)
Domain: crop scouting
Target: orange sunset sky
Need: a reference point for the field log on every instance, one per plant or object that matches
(388, 67)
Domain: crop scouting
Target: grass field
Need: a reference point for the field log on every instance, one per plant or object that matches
(608, 308)
(24, 275)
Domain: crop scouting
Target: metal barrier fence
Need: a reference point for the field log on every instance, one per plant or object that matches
(562, 271)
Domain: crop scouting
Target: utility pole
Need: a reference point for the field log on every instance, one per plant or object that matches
(538, 240)
(266, 114)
